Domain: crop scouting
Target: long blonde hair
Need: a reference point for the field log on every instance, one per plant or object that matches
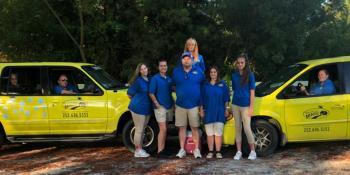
(136, 73)
(195, 54)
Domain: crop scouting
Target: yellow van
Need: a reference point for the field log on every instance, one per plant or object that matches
(283, 113)
(32, 110)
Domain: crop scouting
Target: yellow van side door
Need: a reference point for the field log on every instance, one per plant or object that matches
(23, 108)
(317, 116)
(84, 112)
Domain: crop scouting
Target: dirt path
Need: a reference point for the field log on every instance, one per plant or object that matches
(111, 158)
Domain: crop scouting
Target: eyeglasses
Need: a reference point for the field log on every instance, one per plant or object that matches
(64, 80)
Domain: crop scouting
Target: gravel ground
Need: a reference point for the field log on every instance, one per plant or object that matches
(112, 158)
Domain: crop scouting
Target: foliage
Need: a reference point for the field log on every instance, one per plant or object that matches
(118, 34)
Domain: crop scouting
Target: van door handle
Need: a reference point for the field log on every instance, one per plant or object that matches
(338, 106)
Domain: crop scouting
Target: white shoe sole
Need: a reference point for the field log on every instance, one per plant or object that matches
(136, 156)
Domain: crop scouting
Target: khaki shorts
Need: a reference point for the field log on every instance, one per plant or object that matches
(214, 129)
(183, 115)
(163, 115)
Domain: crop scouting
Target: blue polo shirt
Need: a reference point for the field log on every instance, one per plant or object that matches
(323, 89)
(188, 87)
(214, 98)
(161, 88)
(140, 101)
(241, 93)
(58, 89)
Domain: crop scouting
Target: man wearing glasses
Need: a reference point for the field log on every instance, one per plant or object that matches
(63, 87)
(187, 81)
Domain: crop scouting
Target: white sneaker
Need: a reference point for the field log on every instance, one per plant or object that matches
(238, 155)
(197, 153)
(218, 155)
(252, 155)
(181, 153)
(141, 153)
(210, 155)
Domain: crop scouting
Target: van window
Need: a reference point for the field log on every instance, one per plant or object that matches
(278, 79)
(347, 76)
(76, 81)
(310, 81)
(21, 81)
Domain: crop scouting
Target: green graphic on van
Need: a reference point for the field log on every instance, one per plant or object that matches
(316, 113)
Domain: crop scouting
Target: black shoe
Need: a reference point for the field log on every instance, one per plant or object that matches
(163, 154)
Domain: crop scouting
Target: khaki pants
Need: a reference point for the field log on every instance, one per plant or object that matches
(183, 115)
(241, 115)
(163, 115)
(140, 122)
(214, 129)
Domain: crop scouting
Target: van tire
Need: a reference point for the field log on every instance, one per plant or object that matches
(150, 140)
(264, 133)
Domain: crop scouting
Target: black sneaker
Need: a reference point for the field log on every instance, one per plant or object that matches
(163, 154)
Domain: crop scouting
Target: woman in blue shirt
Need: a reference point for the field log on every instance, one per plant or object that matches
(160, 90)
(243, 86)
(192, 47)
(215, 99)
(324, 86)
(140, 106)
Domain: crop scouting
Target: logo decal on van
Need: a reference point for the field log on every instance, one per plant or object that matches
(74, 105)
(75, 109)
(315, 113)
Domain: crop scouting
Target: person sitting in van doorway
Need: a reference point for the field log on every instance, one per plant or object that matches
(13, 86)
(64, 87)
(324, 86)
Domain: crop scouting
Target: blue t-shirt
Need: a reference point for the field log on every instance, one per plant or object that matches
(161, 88)
(325, 89)
(188, 87)
(140, 101)
(58, 89)
(214, 98)
(241, 93)
(200, 64)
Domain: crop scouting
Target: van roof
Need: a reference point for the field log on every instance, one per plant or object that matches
(326, 60)
(45, 64)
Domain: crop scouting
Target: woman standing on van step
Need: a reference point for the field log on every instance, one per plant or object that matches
(191, 46)
(243, 86)
(140, 106)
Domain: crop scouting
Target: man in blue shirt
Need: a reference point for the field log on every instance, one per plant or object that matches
(160, 90)
(188, 81)
(324, 87)
(63, 87)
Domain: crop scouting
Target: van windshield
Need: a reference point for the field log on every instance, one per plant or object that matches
(278, 79)
(103, 78)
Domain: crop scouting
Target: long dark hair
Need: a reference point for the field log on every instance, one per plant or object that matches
(246, 69)
(218, 72)
(136, 73)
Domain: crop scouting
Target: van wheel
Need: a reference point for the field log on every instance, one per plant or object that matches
(266, 138)
(150, 136)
